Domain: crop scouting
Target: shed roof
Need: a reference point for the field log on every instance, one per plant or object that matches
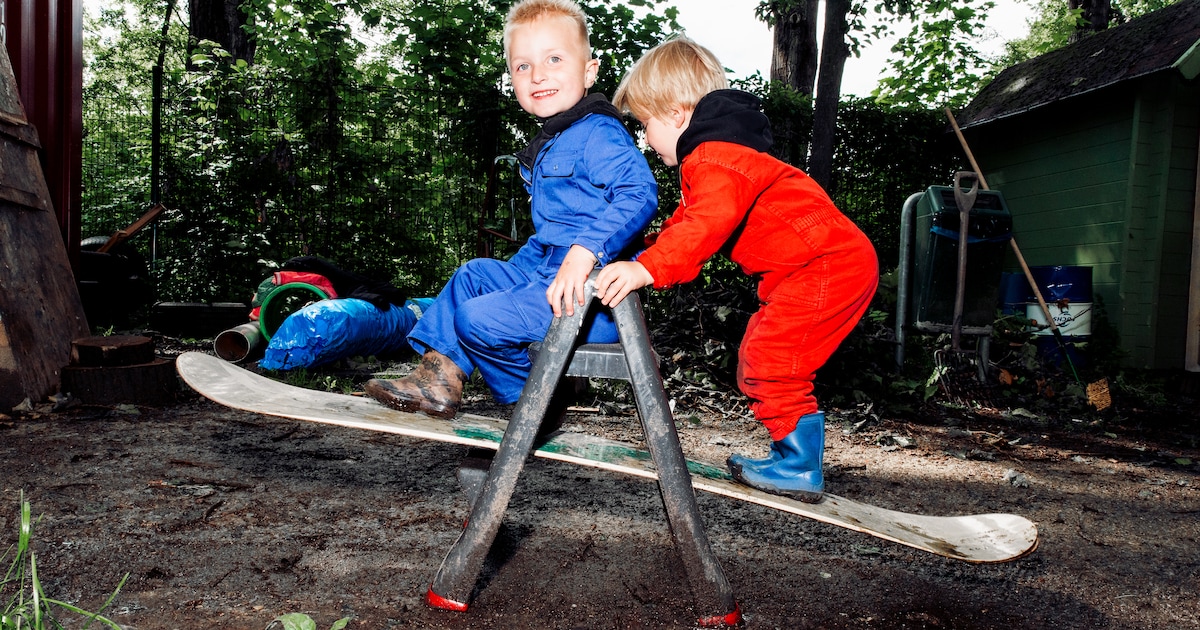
(1161, 40)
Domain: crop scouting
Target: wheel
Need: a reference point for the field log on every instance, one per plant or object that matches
(114, 284)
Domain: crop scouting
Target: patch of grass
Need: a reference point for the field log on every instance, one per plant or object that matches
(319, 380)
(27, 606)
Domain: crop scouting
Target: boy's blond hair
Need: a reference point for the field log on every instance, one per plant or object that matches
(675, 73)
(527, 11)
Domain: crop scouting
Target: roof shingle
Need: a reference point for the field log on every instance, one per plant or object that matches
(1151, 43)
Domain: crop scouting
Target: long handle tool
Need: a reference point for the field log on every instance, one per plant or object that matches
(1058, 338)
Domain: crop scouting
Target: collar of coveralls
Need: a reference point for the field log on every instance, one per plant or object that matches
(726, 116)
(556, 124)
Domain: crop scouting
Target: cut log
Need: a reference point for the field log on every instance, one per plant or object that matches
(114, 350)
(153, 383)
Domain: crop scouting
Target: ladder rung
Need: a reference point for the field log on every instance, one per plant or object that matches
(598, 360)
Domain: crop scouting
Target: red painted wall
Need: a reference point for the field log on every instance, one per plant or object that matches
(44, 39)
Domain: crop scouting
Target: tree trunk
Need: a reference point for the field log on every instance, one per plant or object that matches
(221, 21)
(794, 51)
(834, 52)
(1096, 15)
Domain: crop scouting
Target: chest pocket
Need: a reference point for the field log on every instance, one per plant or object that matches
(558, 166)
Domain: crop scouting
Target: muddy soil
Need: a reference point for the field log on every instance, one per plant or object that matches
(224, 519)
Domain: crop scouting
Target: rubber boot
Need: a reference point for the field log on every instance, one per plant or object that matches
(745, 462)
(797, 472)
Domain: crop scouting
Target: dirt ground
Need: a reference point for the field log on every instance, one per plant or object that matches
(224, 519)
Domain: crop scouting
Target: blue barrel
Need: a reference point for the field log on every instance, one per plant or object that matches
(1067, 291)
(1014, 293)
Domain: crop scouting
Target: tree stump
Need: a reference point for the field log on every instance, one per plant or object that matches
(119, 369)
(114, 350)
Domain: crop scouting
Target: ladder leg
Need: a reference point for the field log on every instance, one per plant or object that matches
(452, 586)
(711, 589)
(473, 471)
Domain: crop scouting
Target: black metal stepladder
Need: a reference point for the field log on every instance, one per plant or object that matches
(559, 356)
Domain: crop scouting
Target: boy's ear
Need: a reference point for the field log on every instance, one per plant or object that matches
(680, 116)
(590, 71)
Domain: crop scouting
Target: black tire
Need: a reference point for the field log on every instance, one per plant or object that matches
(124, 249)
(112, 285)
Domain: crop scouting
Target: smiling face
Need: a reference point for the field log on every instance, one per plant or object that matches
(550, 65)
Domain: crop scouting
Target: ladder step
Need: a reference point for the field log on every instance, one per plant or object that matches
(593, 360)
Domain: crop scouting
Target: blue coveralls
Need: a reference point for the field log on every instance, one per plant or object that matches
(590, 186)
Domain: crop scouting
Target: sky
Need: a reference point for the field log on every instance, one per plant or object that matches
(743, 44)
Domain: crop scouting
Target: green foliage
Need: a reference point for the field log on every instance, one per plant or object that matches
(863, 369)
(305, 39)
(362, 132)
(320, 380)
(121, 46)
(27, 605)
(1055, 23)
(301, 621)
(701, 323)
(937, 63)
(790, 113)
(620, 35)
(1049, 31)
(1129, 9)
(883, 155)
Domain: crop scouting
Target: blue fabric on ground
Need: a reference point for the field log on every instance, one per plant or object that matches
(326, 331)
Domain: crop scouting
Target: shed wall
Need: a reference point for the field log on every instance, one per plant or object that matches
(1146, 218)
(1064, 179)
(1107, 180)
(1171, 172)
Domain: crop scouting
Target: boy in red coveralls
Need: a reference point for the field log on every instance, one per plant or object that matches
(816, 270)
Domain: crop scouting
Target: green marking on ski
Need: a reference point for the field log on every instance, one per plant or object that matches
(479, 433)
(708, 471)
(599, 452)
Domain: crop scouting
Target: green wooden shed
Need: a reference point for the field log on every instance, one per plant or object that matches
(1094, 147)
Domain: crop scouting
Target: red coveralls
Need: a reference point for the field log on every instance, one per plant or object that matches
(817, 271)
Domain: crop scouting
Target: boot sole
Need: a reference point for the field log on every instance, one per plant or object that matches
(804, 496)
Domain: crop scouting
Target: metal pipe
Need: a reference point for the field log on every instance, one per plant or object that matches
(235, 344)
(906, 219)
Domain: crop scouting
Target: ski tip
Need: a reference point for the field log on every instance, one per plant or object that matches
(437, 601)
(729, 620)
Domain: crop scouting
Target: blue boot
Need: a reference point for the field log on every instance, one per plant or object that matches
(797, 471)
(742, 461)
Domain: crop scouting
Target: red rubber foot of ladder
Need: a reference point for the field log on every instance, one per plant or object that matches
(437, 601)
(731, 620)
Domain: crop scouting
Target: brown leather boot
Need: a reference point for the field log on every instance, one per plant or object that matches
(434, 388)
